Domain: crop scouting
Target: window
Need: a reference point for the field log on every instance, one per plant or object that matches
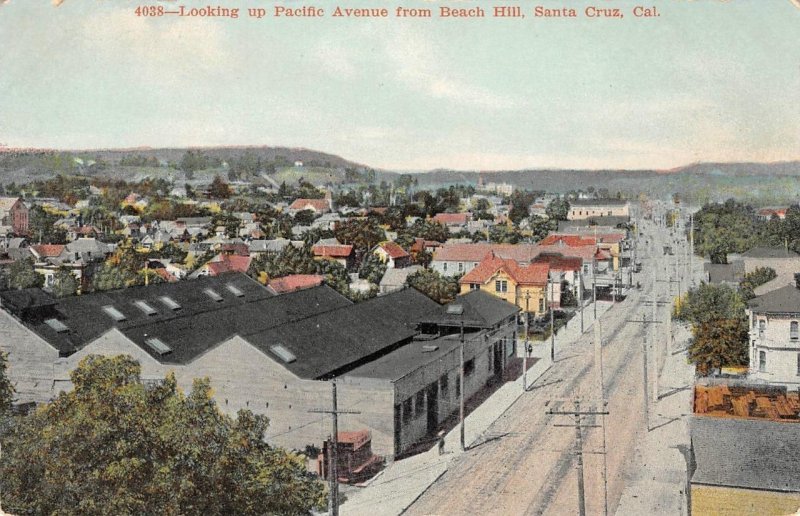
(233, 289)
(541, 304)
(762, 326)
(754, 322)
(474, 286)
(444, 267)
(469, 367)
(419, 403)
(443, 387)
(170, 303)
(407, 405)
(114, 313)
(213, 295)
(458, 387)
(489, 359)
(794, 330)
(460, 266)
(501, 286)
(144, 307)
(158, 346)
(56, 325)
(586, 268)
(762, 361)
(798, 364)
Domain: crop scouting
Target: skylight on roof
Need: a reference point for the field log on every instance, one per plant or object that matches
(170, 303)
(114, 313)
(144, 307)
(283, 353)
(455, 309)
(213, 294)
(233, 289)
(158, 346)
(57, 325)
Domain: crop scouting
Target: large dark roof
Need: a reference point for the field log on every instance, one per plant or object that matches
(333, 342)
(725, 272)
(199, 319)
(480, 310)
(781, 301)
(408, 358)
(770, 252)
(744, 453)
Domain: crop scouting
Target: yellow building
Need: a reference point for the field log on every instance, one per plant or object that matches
(525, 287)
(745, 466)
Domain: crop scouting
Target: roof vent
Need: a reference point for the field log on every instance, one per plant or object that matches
(429, 348)
(213, 294)
(455, 309)
(158, 346)
(57, 325)
(233, 289)
(283, 353)
(170, 303)
(114, 313)
(144, 307)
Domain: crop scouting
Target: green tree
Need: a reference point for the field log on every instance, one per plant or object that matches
(6, 387)
(711, 302)
(113, 445)
(718, 343)
(22, 275)
(372, 269)
(219, 189)
(557, 209)
(441, 289)
(363, 234)
(755, 279)
(304, 217)
(109, 277)
(64, 283)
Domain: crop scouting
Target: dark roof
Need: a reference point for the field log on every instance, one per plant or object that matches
(725, 272)
(335, 341)
(770, 252)
(30, 298)
(596, 202)
(86, 319)
(481, 310)
(781, 301)
(407, 359)
(745, 453)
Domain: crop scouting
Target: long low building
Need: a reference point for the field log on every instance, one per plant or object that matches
(274, 355)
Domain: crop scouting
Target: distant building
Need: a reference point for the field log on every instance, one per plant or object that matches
(587, 208)
(13, 215)
(394, 256)
(318, 206)
(340, 253)
(775, 336)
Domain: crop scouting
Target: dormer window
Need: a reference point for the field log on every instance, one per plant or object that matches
(794, 330)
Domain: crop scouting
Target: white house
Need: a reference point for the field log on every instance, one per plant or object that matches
(775, 336)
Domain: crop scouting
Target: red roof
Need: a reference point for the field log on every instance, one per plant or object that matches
(451, 218)
(522, 253)
(586, 253)
(332, 251)
(237, 249)
(534, 274)
(420, 244)
(560, 263)
(166, 276)
(394, 250)
(48, 250)
(295, 282)
(227, 263)
(569, 240)
(310, 204)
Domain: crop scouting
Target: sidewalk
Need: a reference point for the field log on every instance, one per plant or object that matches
(658, 484)
(402, 482)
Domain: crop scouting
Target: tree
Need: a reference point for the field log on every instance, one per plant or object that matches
(113, 445)
(64, 283)
(372, 268)
(23, 275)
(755, 279)
(557, 209)
(219, 189)
(717, 343)
(304, 217)
(711, 302)
(363, 234)
(441, 289)
(109, 277)
(6, 387)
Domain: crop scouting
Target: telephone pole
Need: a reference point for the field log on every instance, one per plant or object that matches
(333, 473)
(598, 360)
(580, 297)
(578, 414)
(552, 324)
(645, 400)
(525, 356)
(461, 391)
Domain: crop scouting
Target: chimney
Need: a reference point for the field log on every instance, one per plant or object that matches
(797, 279)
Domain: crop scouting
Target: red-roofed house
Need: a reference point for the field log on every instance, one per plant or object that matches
(454, 259)
(42, 252)
(454, 221)
(295, 282)
(318, 206)
(14, 215)
(394, 256)
(524, 286)
(223, 263)
(768, 213)
(339, 253)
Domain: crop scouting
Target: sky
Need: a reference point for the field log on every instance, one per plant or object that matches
(708, 80)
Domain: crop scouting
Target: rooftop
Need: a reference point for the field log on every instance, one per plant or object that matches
(781, 301)
(770, 252)
(480, 310)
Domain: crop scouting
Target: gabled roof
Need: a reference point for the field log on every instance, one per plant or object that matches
(559, 262)
(781, 301)
(393, 250)
(295, 282)
(475, 252)
(770, 252)
(228, 263)
(332, 251)
(745, 453)
(314, 204)
(451, 218)
(586, 253)
(480, 310)
(48, 250)
(6, 203)
(534, 274)
(568, 240)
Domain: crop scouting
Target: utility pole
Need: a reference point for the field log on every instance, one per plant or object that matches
(525, 359)
(580, 296)
(578, 414)
(461, 391)
(594, 293)
(645, 400)
(691, 249)
(333, 473)
(552, 325)
(598, 360)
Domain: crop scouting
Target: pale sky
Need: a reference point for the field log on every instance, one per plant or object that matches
(708, 80)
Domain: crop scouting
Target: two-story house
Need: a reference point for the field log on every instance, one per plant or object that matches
(523, 286)
(775, 335)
